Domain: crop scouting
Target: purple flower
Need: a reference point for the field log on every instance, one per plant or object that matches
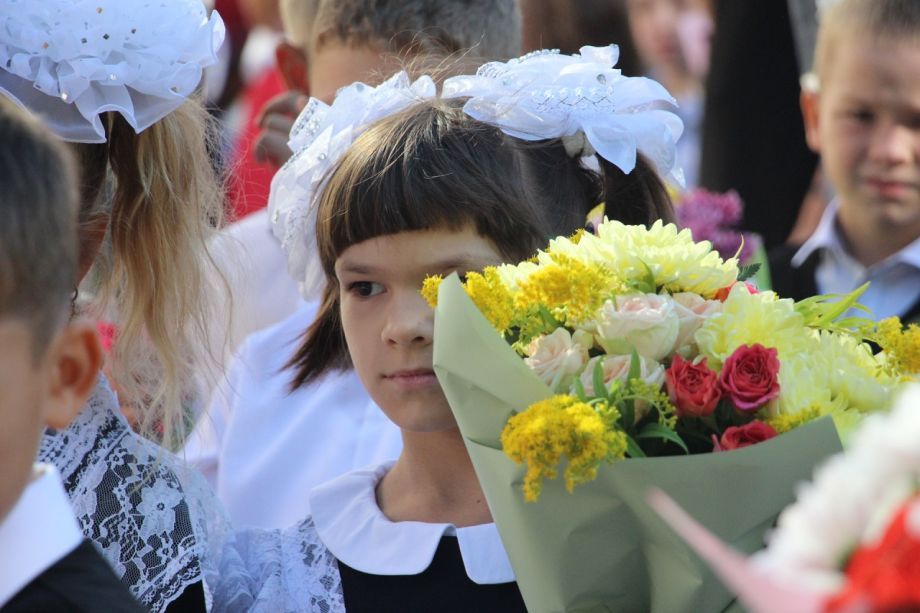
(710, 216)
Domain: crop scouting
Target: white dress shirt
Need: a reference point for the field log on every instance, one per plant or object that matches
(355, 530)
(38, 531)
(266, 447)
(894, 282)
(262, 293)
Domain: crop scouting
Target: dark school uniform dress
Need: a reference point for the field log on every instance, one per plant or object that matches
(409, 566)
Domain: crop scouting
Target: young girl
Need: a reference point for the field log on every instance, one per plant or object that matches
(425, 191)
(114, 78)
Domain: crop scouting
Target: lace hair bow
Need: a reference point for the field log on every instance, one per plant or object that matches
(581, 99)
(70, 60)
(320, 137)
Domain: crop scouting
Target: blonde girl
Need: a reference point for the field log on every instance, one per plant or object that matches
(117, 79)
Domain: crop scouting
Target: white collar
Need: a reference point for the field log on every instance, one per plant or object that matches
(356, 532)
(39, 530)
(827, 237)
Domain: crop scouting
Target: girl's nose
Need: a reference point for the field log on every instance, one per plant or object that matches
(409, 320)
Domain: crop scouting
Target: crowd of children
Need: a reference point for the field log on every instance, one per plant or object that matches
(287, 357)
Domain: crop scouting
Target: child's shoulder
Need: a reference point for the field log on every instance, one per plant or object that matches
(132, 499)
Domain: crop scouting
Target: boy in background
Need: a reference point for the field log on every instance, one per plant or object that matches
(863, 118)
(48, 367)
(262, 445)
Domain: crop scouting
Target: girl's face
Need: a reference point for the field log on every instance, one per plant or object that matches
(388, 325)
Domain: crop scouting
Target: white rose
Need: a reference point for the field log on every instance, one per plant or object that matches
(646, 322)
(616, 368)
(556, 358)
(692, 310)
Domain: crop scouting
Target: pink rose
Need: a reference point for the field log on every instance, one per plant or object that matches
(749, 376)
(736, 437)
(692, 311)
(616, 368)
(556, 358)
(693, 388)
(644, 322)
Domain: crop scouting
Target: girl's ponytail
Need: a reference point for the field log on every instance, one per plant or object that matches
(166, 203)
(637, 198)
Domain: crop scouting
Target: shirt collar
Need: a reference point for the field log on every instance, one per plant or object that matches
(39, 530)
(827, 237)
(356, 532)
(824, 237)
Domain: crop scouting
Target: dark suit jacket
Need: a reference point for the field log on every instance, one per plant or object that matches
(799, 283)
(753, 135)
(81, 581)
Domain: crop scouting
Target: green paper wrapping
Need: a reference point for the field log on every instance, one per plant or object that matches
(601, 548)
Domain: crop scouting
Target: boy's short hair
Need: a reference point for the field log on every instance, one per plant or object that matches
(491, 29)
(38, 224)
(845, 21)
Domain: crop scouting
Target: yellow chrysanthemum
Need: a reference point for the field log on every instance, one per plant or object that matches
(845, 419)
(901, 345)
(430, 287)
(784, 422)
(834, 374)
(752, 318)
(570, 289)
(678, 264)
(561, 426)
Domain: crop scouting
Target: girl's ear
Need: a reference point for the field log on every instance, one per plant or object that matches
(292, 64)
(75, 361)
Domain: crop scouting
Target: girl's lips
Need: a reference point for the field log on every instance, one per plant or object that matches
(413, 379)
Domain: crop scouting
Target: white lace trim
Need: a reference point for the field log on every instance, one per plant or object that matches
(272, 571)
(152, 518)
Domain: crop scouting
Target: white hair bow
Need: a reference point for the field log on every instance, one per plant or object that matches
(580, 98)
(320, 137)
(70, 60)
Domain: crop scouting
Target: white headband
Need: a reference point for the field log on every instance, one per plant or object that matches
(320, 137)
(581, 99)
(70, 60)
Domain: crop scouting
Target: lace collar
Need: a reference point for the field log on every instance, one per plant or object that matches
(355, 531)
(97, 429)
(149, 515)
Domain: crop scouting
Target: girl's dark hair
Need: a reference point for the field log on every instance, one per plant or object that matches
(432, 166)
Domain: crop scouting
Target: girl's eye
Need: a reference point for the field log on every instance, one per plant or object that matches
(365, 289)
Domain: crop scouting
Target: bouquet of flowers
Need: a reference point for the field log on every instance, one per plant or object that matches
(851, 542)
(640, 343)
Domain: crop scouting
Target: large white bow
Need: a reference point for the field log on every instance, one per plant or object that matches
(545, 95)
(320, 137)
(70, 60)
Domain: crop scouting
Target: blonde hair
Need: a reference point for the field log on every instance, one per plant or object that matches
(155, 275)
(489, 28)
(864, 21)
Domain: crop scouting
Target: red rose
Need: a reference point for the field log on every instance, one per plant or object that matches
(736, 437)
(723, 293)
(693, 388)
(749, 377)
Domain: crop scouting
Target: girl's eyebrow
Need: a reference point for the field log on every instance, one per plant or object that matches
(465, 262)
